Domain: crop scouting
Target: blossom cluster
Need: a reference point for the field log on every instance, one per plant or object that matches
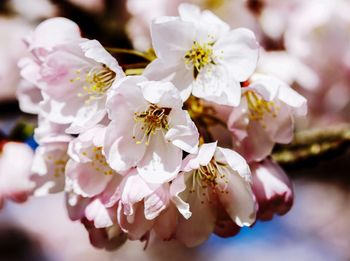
(179, 151)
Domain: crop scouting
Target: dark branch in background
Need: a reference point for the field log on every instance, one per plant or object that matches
(310, 147)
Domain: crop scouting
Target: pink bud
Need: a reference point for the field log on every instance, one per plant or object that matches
(272, 188)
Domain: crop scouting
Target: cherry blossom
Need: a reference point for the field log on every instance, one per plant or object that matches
(265, 116)
(201, 55)
(214, 180)
(148, 129)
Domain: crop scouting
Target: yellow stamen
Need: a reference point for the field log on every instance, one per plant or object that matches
(258, 107)
(149, 122)
(199, 56)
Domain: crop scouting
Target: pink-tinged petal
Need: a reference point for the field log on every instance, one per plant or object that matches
(235, 161)
(88, 181)
(137, 226)
(121, 149)
(166, 224)
(100, 215)
(134, 189)
(161, 161)
(183, 132)
(236, 197)
(157, 202)
(87, 117)
(238, 50)
(110, 238)
(198, 228)
(257, 145)
(163, 94)
(53, 32)
(280, 127)
(171, 38)
(176, 188)
(272, 188)
(238, 122)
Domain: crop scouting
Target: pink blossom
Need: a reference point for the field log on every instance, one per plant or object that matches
(148, 129)
(265, 116)
(272, 188)
(74, 74)
(213, 181)
(15, 183)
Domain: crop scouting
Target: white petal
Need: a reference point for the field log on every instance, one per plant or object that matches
(171, 39)
(235, 161)
(239, 200)
(238, 50)
(161, 162)
(183, 132)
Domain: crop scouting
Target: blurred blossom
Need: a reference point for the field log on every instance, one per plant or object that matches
(319, 35)
(33, 10)
(14, 178)
(12, 49)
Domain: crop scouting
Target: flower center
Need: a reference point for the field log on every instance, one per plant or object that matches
(98, 160)
(199, 56)
(148, 122)
(96, 81)
(207, 177)
(258, 107)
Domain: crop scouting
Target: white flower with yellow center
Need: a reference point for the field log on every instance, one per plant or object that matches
(148, 129)
(199, 54)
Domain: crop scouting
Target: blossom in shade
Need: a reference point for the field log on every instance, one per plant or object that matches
(265, 116)
(15, 183)
(201, 55)
(272, 188)
(148, 129)
(87, 167)
(215, 184)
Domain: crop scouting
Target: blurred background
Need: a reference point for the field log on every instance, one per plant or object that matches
(305, 43)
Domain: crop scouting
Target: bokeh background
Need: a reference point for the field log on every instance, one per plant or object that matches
(304, 42)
